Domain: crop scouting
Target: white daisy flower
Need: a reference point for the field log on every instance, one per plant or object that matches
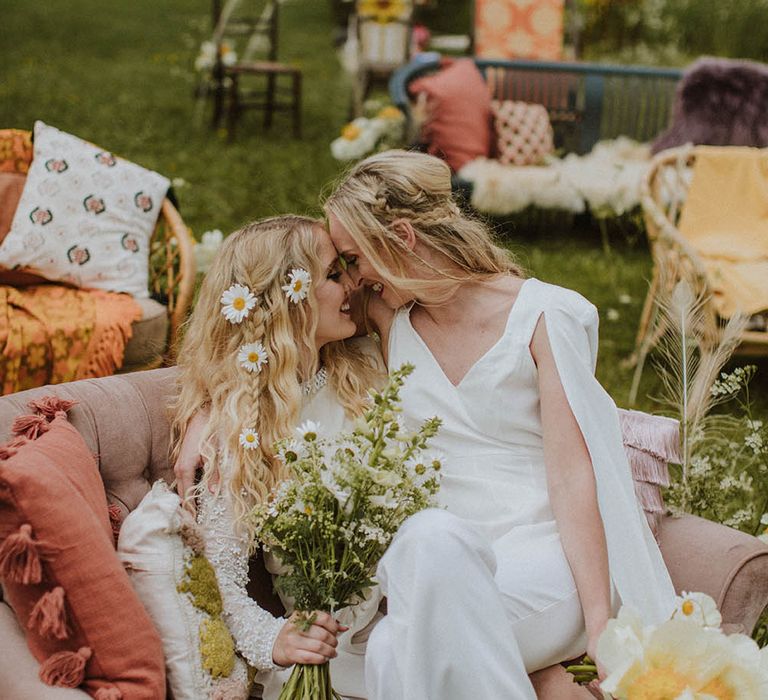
(237, 302)
(291, 451)
(699, 608)
(252, 356)
(249, 439)
(309, 430)
(298, 285)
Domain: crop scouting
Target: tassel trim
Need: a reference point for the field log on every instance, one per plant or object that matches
(50, 406)
(657, 435)
(108, 693)
(30, 426)
(10, 448)
(65, 668)
(115, 520)
(49, 616)
(21, 555)
(647, 467)
(649, 496)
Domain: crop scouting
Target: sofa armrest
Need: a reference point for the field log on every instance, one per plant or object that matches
(724, 563)
(19, 669)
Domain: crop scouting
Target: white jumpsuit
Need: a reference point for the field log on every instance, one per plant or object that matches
(482, 594)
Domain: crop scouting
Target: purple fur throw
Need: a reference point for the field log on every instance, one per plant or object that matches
(719, 102)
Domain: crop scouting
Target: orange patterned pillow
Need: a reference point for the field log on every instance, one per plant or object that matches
(59, 569)
(523, 132)
(15, 151)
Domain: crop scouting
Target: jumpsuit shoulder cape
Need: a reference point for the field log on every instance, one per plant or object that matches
(637, 569)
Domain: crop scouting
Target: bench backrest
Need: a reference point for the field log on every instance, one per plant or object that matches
(586, 102)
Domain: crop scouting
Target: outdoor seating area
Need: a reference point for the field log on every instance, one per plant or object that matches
(277, 389)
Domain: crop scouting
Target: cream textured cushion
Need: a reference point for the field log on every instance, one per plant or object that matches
(156, 556)
(85, 217)
(523, 132)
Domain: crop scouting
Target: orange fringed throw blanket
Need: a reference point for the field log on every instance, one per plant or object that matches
(51, 334)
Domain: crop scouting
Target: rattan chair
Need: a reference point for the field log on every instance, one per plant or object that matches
(171, 284)
(663, 197)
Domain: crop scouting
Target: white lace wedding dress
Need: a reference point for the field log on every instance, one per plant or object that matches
(253, 628)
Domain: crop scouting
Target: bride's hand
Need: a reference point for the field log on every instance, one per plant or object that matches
(189, 459)
(315, 646)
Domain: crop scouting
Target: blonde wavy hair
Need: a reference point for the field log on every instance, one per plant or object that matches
(260, 257)
(397, 184)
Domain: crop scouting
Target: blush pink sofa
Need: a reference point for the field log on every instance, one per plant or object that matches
(124, 421)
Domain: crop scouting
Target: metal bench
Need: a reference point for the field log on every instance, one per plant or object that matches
(586, 102)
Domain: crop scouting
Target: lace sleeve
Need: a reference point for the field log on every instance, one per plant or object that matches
(253, 628)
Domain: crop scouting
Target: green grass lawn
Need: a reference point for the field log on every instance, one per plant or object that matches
(120, 74)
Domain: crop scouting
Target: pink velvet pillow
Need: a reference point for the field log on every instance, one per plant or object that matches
(458, 127)
(61, 574)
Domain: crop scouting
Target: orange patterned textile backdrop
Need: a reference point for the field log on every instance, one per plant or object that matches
(519, 29)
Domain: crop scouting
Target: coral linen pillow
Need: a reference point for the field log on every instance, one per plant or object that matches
(162, 549)
(85, 217)
(60, 572)
(458, 128)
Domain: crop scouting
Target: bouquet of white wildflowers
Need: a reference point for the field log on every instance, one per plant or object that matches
(334, 520)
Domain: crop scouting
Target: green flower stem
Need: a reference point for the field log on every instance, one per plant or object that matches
(583, 673)
(309, 682)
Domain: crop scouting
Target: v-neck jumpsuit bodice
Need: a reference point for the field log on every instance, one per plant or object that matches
(494, 474)
(491, 433)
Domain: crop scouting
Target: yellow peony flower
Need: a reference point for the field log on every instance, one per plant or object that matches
(679, 660)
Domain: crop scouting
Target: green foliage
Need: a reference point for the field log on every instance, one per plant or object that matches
(728, 476)
(672, 31)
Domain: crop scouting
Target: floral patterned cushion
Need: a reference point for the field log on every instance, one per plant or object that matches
(85, 216)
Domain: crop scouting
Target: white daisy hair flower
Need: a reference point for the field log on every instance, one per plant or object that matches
(237, 302)
(249, 439)
(252, 356)
(297, 288)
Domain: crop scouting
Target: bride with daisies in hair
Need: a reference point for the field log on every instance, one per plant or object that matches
(266, 349)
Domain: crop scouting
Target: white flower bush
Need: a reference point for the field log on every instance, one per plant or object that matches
(367, 134)
(206, 59)
(207, 249)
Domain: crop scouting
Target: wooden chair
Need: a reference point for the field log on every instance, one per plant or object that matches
(171, 287)
(232, 93)
(663, 197)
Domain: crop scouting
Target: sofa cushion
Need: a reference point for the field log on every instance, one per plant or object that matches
(85, 216)
(523, 133)
(458, 126)
(150, 336)
(61, 574)
(163, 551)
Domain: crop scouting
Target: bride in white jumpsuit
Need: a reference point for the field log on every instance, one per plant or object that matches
(534, 551)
